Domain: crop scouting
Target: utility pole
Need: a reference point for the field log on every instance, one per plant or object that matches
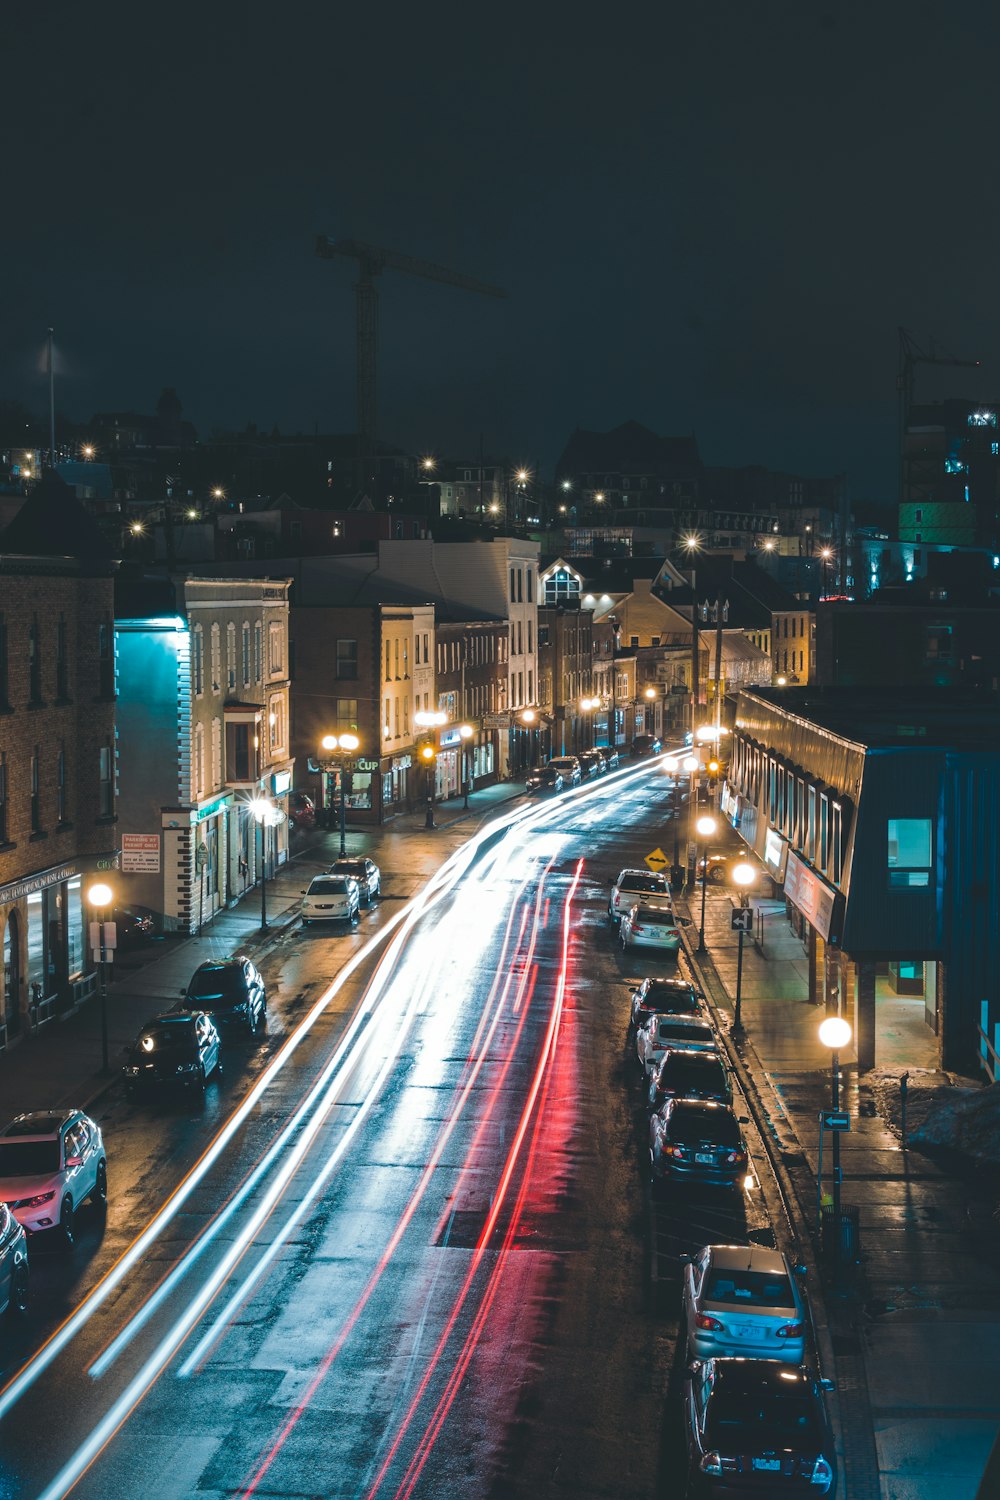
(52, 404)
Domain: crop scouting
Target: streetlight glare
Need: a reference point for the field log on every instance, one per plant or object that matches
(100, 894)
(690, 763)
(329, 742)
(466, 731)
(349, 742)
(706, 827)
(692, 541)
(706, 732)
(650, 692)
(744, 874)
(835, 1033)
(528, 716)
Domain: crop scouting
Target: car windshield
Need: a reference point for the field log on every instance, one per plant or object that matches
(716, 1127)
(658, 916)
(329, 885)
(217, 982)
(352, 867)
(760, 1424)
(170, 1037)
(28, 1158)
(642, 882)
(684, 1031)
(749, 1288)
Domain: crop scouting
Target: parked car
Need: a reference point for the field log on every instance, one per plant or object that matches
(13, 1264)
(757, 1427)
(659, 1033)
(651, 927)
(365, 871)
(646, 744)
(544, 779)
(635, 888)
(685, 1074)
(331, 898)
(301, 810)
(720, 870)
(51, 1162)
(609, 755)
(665, 997)
(569, 769)
(134, 926)
(231, 990)
(178, 1050)
(592, 763)
(743, 1300)
(697, 1141)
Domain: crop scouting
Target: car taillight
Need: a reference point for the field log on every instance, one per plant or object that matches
(715, 1463)
(675, 1151)
(822, 1474)
(637, 927)
(712, 1324)
(791, 1331)
(735, 1156)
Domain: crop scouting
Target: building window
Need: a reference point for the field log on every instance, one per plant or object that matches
(388, 661)
(275, 648)
(276, 724)
(61, 783)
(426, 640)
(520, 585)
(36, 801)
(395, 659)
(106, 782)
(531, 586)
(198, 661)
(62, 661)
(347, 713)
(836, 841)
(416, 650)
(909, 853)
(198, 767)
(347, 660)
(385, 721)
(246, 653)
(216, 658)
(530, 647)
(3, 796)
(4, 675)
(34, 664)
(216, 754)
(257, 650)
(231, 657)
(513, 586)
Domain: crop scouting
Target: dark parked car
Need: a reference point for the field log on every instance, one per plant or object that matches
(665, 997)
(690, 1075)
(301, 810)
(365, 871)
(544, 779)
(134, 926)
(646, 744)
(592, 763)
(181, 1049)
(13, 1264)
(232, 992)
(698, 1141)
(757, 1427)
(609, 755)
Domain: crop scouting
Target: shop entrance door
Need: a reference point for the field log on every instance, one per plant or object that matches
(11, 1015)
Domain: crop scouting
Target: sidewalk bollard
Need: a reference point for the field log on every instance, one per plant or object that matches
(904, 1079)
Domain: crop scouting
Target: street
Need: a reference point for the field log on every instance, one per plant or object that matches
(405, 1246)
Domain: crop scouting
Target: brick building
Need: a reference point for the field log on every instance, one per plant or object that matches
(57, 752)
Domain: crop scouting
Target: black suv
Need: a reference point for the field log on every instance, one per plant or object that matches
(232, 992)
(181, 1049)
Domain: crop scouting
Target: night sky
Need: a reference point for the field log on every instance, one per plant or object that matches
(709, 218)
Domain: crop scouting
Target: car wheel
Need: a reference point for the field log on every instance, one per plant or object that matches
(17, 1302)
(716, 875)
(67, 1222)
(378, 892)
(99, 1197)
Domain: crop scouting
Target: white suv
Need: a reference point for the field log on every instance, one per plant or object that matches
(636, 888)
(569, 769)
(49, 1163)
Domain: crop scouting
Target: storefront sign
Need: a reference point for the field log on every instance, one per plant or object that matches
(281, 782)
(366, 765)
(212, 809)
(402, 762)
(141, 853)
(814, 898)
(18, 889)
(449, 737)
(496, 721)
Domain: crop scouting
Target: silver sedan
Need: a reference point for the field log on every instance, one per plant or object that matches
(652, 926)
(743, 1300)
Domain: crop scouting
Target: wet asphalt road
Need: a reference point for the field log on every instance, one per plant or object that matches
(420, 1258)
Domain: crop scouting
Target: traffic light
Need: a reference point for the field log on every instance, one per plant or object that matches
(426, 753)
(713, 768)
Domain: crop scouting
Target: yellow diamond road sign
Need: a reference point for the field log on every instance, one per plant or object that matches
(657, 860)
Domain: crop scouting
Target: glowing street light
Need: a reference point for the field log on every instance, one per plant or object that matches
(87, 450)
(744, 876)
(465, 733)
(341, 747)
(706, 827)
(835, 1033)
(218, 493)
(266, 815)
(102, 937)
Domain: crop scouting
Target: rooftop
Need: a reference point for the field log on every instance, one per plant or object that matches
(886, 718)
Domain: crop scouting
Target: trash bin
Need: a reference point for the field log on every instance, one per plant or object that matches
(844, 1248)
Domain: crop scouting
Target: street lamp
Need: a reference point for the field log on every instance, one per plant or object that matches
(706, 827)
(744, 875)
(427, 754)
(465, 732)
(587, 706)
(836, 1034)
(826, 554)
(267, 816)
(342, 747)
(100, 897)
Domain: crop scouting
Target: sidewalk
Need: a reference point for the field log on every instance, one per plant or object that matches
(916, 1337)
(60, 1065)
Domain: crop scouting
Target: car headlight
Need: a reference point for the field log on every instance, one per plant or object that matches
(34, 1202)
(188, 1067)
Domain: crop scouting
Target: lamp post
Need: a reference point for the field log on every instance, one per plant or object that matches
(692, 545)
(267, 816)
(100, 897)
(587, 706)
(427, 754)
(836, 1034)
(342, 747)
(465, 732)
(825, 554)
(706, 829)
(689, 764)
(744, 875)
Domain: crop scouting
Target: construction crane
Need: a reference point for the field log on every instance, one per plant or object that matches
(372, 261)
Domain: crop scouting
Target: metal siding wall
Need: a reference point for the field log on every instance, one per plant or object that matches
(971, 820)
(903, 923)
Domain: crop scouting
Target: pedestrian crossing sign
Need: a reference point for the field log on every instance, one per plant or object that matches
(657, 861)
